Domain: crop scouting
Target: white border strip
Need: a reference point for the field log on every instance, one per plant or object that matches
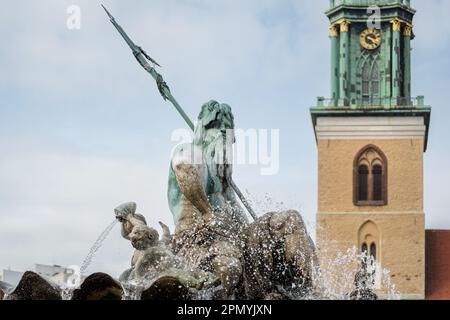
(362, 128)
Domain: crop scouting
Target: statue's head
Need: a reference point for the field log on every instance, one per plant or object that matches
(143, 237)
(214, 116)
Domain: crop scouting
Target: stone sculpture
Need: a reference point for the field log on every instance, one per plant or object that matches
(127, 216)
(227, 245)
(34, 287)
(212, 231)
(213, 238)
(153, 259)
(98, 286)
(279, 257)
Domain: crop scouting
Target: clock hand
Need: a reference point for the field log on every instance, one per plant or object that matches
(370, 39)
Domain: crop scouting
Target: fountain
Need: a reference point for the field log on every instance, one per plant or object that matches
(74, 281)
(96, 246)
(215, 251)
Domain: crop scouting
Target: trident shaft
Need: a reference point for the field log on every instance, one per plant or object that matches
(144, 60)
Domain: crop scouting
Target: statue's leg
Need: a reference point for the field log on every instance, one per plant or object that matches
(190, 171)
(299, 250)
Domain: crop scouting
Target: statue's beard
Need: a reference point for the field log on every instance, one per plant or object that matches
(218, 155)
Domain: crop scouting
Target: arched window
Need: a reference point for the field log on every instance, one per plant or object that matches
(370, 177)
(363, 179)
(370, 80)
(373, 250)
(375, 77)
(369, 238)
(366, 82)
(364, 248)
(377, 173)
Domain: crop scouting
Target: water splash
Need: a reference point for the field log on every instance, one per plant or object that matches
(335, 278)
(74, 281)
(352, 272)
(265, 203)
(343, 276)
(132, 290)
(96, 246)
(67, 293)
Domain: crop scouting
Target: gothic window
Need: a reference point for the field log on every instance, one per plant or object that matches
(370, 245)
(370, 81)
(364, 248)
(369, 251)
(375, 77)
(362, 181)
(373, 250)
(369, 238)
(370, 177)
(366, 82)
(377, 173)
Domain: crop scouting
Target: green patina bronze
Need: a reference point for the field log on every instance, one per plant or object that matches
(143, 58)
(371, 81)
(391, 61)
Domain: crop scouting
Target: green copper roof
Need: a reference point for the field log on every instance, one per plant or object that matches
(356, 10)
(335, 3)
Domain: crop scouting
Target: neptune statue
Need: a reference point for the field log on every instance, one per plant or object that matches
(269, 258)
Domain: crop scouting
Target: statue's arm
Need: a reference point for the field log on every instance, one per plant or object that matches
(125, 230)
(128, 224)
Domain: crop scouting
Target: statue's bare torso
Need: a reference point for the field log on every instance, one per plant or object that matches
(200, 173)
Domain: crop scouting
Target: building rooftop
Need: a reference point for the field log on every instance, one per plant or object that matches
(365, 3)
(437, 265)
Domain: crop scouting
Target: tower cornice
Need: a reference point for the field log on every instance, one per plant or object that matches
(357, 14)
(341, 7)
(422, 111)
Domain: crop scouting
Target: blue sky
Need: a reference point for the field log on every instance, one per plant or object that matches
(83, 128)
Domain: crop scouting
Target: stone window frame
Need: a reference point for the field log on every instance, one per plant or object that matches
(384, 183)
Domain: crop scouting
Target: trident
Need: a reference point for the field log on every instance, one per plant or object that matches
(143, 58)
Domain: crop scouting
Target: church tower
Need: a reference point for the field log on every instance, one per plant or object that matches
(371, 137)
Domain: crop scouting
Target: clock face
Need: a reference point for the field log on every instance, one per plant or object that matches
(370, 39)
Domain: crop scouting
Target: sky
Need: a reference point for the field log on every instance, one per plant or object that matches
(84, 129)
